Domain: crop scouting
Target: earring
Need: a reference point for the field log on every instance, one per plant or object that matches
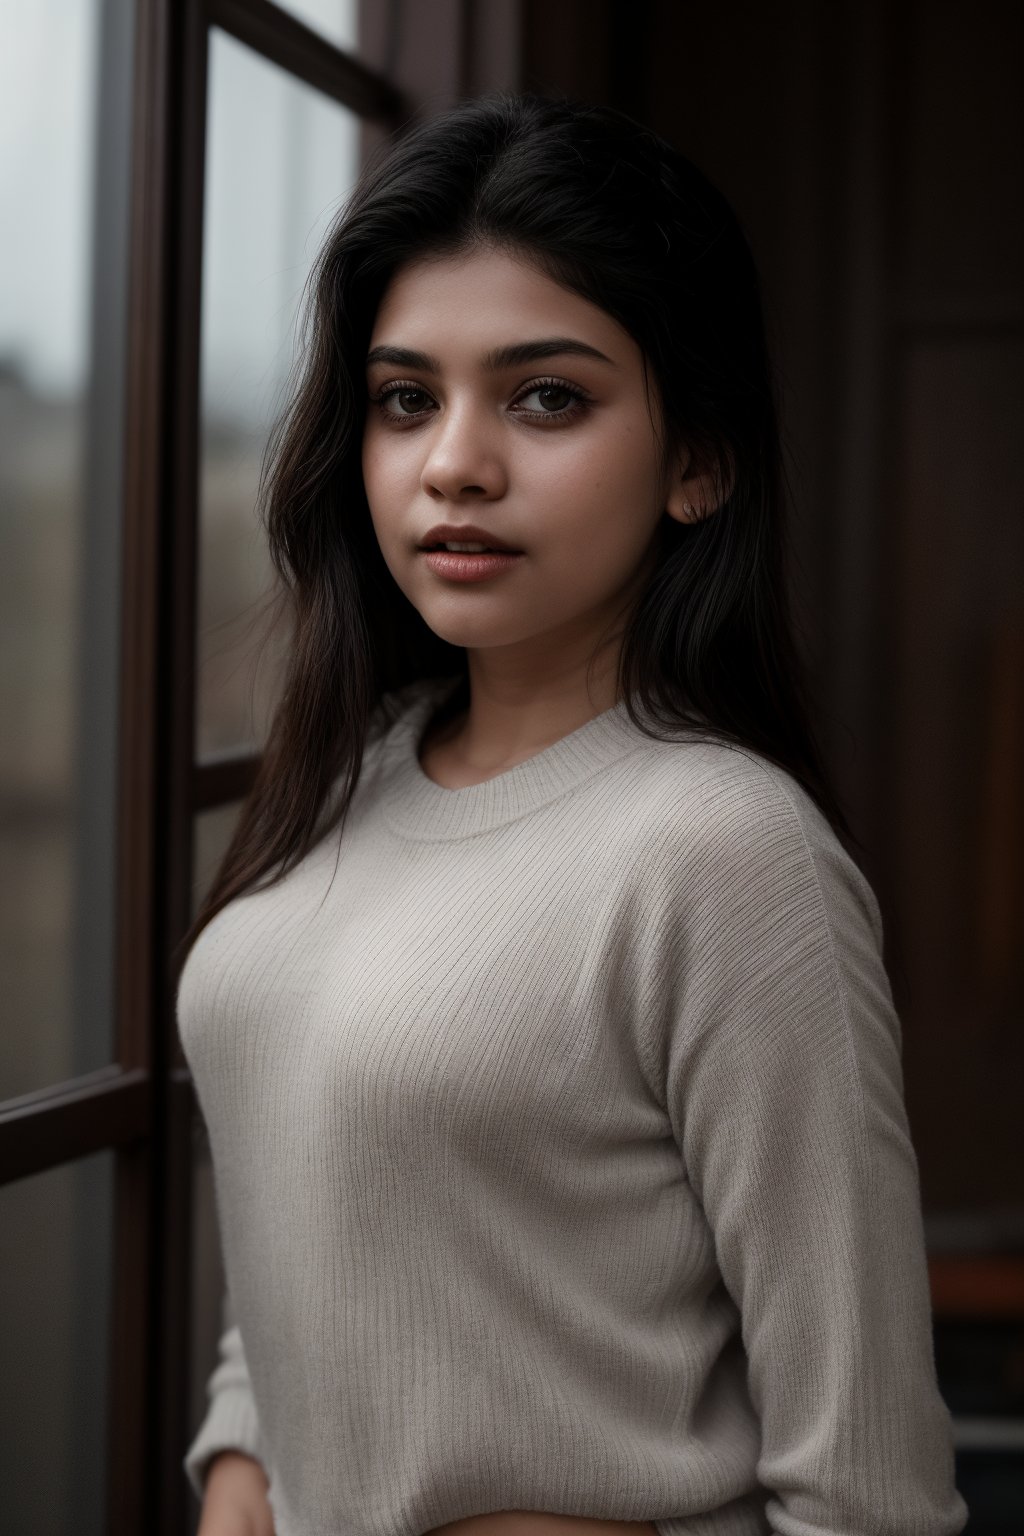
(687, 509)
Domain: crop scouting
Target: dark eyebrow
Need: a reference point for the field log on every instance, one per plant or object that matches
(512, 356)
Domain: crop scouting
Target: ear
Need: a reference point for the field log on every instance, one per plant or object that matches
(695, 487)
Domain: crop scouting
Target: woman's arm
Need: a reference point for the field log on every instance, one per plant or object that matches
(235, 1502)
(231, 1422)
(786, 1097)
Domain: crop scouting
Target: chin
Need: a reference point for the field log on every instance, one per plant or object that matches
(473, 635)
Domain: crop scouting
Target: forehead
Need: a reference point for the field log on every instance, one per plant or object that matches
(467, 302)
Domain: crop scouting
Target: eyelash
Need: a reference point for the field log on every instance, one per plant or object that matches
(579, 401)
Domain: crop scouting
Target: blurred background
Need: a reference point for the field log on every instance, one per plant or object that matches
(167, 171)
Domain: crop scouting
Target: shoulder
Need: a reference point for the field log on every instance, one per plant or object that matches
(725, 828)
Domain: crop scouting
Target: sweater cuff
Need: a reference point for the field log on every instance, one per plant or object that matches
(230, 1425)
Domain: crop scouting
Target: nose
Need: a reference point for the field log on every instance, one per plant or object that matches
(463, 456)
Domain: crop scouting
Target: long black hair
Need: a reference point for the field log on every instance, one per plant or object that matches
(612, 212)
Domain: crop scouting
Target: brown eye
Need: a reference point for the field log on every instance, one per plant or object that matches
(403, 393)
(558, 400)
(545, 392)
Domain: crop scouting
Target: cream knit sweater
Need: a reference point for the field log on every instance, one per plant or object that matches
(561, 1158)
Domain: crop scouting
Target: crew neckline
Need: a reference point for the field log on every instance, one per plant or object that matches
(419, 808)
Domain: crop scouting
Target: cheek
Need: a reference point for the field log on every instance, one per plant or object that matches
(605, 496)
(378, 479)
(368, 468)
(391, 464)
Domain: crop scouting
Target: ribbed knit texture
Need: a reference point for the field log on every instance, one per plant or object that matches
(561, 1158)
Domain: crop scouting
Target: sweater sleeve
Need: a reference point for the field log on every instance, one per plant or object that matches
(231, 1422)
(784, 1088)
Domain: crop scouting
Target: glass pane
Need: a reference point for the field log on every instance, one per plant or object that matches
(65, 144)
(211, 833)
(281, 160)
(55, 1300)
(336, 19)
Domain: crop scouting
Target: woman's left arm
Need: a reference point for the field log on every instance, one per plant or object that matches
(784, 1086)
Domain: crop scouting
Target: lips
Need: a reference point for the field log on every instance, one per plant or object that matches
(488, 549)
(463, 565)
(450, 533)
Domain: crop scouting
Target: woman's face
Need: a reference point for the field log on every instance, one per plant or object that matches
(555, 453)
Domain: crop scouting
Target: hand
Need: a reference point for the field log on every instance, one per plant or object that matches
(235, 1498)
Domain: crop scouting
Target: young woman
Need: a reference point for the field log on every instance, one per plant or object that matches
(538, 1013)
